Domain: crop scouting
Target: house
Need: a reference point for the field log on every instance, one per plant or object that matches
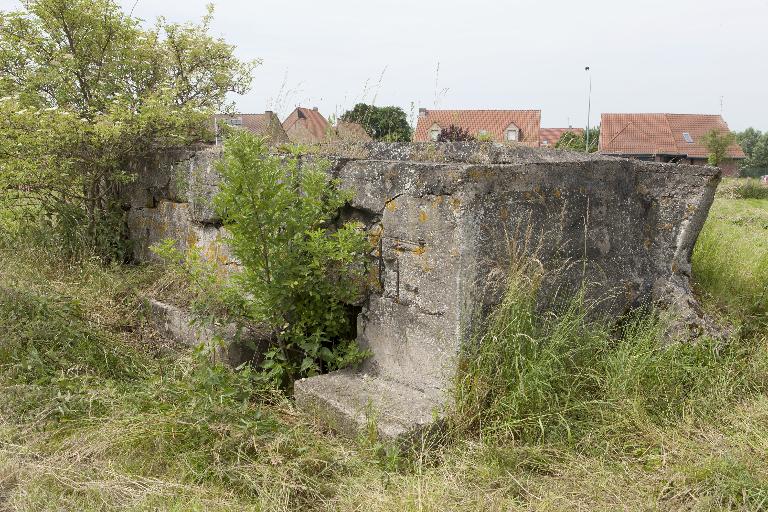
(265, 125)
(498, 125)
(306, 126)
(548, 137)
(664, 138)
(348, 131)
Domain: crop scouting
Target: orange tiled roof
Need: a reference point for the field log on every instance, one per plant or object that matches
(550, 136)
(660, 134)
(312, 120)
(494, 122)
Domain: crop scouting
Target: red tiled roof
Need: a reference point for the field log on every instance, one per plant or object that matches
(552, 135)
(660, 134)
(266, 124)
(494, 122)
(312, 120)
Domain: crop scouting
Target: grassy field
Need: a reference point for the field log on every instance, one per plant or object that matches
(98, 412)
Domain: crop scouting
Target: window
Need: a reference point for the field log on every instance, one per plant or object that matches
(434, 132)
(483, 132)
(545, 142)
(687, 137)
(512, 133)
(235, 121)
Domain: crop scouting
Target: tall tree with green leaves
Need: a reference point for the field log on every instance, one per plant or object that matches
(748, 139)
(755, 146)
(381, 123)
(87, 92)
(717, 144)
(756, 163)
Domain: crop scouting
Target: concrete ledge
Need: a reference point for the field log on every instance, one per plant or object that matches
(235, 348)
(352, 403)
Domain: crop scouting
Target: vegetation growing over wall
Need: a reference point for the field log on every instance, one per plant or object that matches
(454, 134)
(301, 268)
(96, 413)
(86, 91)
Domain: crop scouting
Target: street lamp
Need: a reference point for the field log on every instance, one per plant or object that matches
(589, 106)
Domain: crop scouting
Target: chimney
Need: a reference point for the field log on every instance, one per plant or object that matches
(422, 112)
(314, 108)
(268, 113)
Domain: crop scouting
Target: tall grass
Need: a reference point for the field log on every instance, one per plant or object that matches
(751, 189)
(565, 377)
(93, 417)
(730, 262)
(556, 412)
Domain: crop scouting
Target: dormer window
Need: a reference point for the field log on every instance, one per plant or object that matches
(235, 121)
(434, 132)
(512, 133)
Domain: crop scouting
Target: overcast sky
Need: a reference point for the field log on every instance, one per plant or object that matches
(680, 56)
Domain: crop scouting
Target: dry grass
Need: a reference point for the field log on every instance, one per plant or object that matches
(90, 419)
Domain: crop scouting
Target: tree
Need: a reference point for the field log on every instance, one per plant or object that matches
(717, 144)
(748, 139)
(755, 146)
(300, 270)
(756, 164)
(87, 93)
(454, 134)
(577, 141)
(381, 123)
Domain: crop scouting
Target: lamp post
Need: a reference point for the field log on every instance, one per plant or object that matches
(589, 107)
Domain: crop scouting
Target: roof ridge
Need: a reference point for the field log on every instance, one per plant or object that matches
(484, 110)
(619, 132)
(669, 127)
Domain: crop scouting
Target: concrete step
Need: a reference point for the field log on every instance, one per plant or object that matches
(353, 403)
(234, 347)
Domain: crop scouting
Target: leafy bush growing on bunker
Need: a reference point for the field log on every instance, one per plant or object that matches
(300, 271)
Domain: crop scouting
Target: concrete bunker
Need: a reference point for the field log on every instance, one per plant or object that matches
(442, 216)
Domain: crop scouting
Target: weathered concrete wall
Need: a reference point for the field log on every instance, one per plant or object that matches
(442, 216)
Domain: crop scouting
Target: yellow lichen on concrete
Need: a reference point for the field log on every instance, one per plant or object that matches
(423, 216)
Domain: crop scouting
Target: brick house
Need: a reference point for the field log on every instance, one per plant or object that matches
(308, 126)
(664, 138)
(265, 125)
(348, 131)
(548, 137)
(498, 125)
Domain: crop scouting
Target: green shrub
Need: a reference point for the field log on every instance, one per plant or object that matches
(752, 189)
(300, 271)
